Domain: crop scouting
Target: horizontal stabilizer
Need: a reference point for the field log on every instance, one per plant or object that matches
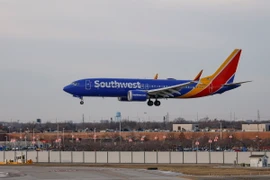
(197, 78)
(238, 83)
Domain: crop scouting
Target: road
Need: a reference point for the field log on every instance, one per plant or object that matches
(83, 173)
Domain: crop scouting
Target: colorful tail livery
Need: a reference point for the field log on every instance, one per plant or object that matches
(134, 90)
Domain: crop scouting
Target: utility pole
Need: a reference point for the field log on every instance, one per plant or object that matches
(83, 120)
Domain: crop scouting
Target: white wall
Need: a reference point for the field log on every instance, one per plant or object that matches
(132, 157)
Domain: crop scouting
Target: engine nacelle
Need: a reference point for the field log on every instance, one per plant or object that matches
(122, 99)
(137, 95)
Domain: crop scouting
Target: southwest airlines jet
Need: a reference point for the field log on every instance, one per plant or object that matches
(154, 89)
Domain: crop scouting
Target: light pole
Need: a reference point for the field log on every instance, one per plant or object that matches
(95, 136)
(63, 137)
(210, 142)
(118, 116)
(6, 143)
(72, 136)
(197, 144)
(220, 129)
(20, 136)
(25, 141)
(230, 140)
(9, 133)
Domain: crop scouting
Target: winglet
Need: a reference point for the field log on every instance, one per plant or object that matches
(197, 78)
(156, 76)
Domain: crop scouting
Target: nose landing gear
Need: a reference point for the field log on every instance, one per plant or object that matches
(81, 102)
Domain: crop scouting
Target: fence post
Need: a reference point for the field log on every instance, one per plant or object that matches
(37, 157)
(26, 158)
(71, 154)
(95, 156)
(4, 155)
(157, 157)
(209, 156)
(49, 156)
(83, 157)
(183, 157)
(197, 156)
(107, 157)
(223, 157)
(170, 157)
(14, 156)
(60, 158)
(131, 156)
(237, 157)
(119, 157)
(144, 157)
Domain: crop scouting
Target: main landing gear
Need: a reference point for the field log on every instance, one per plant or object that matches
(151, 103)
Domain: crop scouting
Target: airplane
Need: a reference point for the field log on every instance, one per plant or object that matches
(141, 90)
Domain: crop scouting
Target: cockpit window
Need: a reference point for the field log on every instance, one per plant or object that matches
(75, 83)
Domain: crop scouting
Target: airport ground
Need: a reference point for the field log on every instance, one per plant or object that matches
(131, 171)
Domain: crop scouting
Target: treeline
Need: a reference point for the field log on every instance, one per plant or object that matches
(173, 144)
(126, 125)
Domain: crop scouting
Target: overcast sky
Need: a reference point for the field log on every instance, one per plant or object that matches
(45, 45)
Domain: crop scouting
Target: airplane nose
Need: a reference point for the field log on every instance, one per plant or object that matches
(66, 89)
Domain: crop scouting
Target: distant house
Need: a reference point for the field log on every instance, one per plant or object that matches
(185, 127)
(258, 160)
(256, 127)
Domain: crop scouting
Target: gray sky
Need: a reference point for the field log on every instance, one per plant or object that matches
(45, 45)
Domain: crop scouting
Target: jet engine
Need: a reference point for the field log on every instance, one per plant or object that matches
(122, 99)
(137, 95)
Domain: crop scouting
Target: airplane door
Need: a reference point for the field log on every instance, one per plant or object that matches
(87, 84)
(211, 88)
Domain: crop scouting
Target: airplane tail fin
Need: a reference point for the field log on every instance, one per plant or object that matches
(226, 72)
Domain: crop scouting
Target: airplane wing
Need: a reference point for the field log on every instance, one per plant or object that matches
(170, 90)
(238, 83)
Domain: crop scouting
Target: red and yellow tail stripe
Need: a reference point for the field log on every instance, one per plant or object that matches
(211, 84)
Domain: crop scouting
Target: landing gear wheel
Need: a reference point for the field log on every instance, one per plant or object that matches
(81, 102)
(157, 103)
(150, 103)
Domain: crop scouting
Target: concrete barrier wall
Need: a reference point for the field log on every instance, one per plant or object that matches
(217, 157)
(89, 157)
(54, 156)
(151, 157)
(164, 157)
(43, 156)
(204, 157)
(190, 157)
(230, 157)
(77, 157)
(177, 157)
(132, 157)
(102, 157)
(138, 157)
(243, 157)
(126, 157)
(114, 157)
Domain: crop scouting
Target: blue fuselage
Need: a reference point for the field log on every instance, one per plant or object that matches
(119, 87)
